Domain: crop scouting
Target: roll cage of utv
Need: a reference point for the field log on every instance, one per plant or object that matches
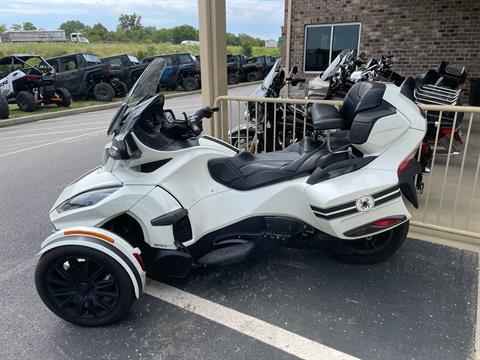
(129, 68)
(29, 81)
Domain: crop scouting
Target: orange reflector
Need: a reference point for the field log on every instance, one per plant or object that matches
(89, 233)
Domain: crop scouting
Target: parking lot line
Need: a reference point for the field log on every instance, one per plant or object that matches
(51, 143)
(272, 335)
(51, 133)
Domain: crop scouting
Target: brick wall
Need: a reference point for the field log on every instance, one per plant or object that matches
(419, 33)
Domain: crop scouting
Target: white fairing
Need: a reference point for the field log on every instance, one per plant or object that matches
(185, 182)
(6, 84)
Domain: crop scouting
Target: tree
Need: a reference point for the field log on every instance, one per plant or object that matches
(28, 26)
(184, 32)
(3, 28)
(97, 32)
(16, 27)
(247, 43)
(129, 23)
(72, 26)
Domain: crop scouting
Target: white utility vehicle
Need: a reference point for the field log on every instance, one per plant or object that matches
(167, 198)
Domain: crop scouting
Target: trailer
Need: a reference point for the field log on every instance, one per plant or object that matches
(34, 36)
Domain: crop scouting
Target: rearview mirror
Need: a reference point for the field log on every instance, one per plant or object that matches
(294, 70)
(169, 115)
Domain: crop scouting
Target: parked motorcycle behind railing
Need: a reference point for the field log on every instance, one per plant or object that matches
(264, 128)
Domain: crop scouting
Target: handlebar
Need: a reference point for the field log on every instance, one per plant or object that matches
(194, 122)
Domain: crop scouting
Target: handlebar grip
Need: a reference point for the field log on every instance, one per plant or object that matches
(195, 128)
(215, 109)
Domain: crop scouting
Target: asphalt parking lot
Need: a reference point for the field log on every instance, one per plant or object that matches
(421, 304)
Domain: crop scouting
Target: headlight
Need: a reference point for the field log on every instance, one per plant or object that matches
(86, 199)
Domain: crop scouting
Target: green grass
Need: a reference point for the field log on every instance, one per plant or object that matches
(15, 112)
(105, 49)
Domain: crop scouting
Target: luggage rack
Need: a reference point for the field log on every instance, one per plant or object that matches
(439, 95)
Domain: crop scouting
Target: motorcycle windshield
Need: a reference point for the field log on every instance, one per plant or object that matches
(270, 76)
(144, 89)
(332, 68)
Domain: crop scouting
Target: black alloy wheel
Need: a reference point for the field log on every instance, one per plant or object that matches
(83, 286)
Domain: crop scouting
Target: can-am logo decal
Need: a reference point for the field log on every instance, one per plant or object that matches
(365, 203)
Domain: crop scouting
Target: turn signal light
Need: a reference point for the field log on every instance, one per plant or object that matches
(90, 233)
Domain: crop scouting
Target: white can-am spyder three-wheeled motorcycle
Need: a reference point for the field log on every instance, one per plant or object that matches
(167, 199)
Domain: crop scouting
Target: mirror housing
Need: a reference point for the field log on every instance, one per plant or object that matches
(294, 70)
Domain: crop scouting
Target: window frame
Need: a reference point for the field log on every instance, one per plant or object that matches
(331, 41)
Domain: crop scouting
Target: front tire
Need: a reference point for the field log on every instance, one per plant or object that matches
(83, 286)
(4, 109)
(369, 250)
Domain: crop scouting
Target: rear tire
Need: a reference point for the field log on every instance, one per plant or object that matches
(252, 76)
(103, 92)
(190, 84)
(26, 101)
(120, 89)
(83, 286)
(4, 109)
(369, 251)
(64, 94)
(233, 79)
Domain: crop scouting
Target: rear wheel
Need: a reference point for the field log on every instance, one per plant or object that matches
(103, 92)
(369, 250)
(64, 95)
(26, 101)
(252, 76)
(4, 109)
(83, 285)
(120, 89)
(233, 79)
(190, 84)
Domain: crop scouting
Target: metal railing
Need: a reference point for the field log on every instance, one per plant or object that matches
(450, 201)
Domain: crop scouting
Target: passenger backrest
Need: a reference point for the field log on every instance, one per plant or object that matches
(362, 96)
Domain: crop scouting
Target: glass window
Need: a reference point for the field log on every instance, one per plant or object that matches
(69, 65)
(94, 59)
(185, 59)
(115, 62)
(324, 42)
(317, 49)
(133, 59)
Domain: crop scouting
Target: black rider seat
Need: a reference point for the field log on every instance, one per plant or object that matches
(247, 171)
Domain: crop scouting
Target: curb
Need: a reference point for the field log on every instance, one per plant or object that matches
(87, 109)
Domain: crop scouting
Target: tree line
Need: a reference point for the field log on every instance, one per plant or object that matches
(130, 29)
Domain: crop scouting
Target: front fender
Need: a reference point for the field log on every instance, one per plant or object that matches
(104, 241)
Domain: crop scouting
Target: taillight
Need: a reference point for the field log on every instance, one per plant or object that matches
(404, 164)
(376, 226)
(140, 261)
(32, 77)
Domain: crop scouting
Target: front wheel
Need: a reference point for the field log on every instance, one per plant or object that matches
(65, 97)
(369, 250)
(83, 286)
(189, 83)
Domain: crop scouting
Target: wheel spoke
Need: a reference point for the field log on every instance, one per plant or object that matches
(73, 262)
(67, 301)
(58, 282)
(64, 292)
(80, 305)
(107, 293)
(104, 283)
(97, 273)
(64, 274)
(84, 269)
(102, 304)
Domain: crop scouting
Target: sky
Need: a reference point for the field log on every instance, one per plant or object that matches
(260, 18)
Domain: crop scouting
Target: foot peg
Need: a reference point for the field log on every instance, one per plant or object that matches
(227, 255)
